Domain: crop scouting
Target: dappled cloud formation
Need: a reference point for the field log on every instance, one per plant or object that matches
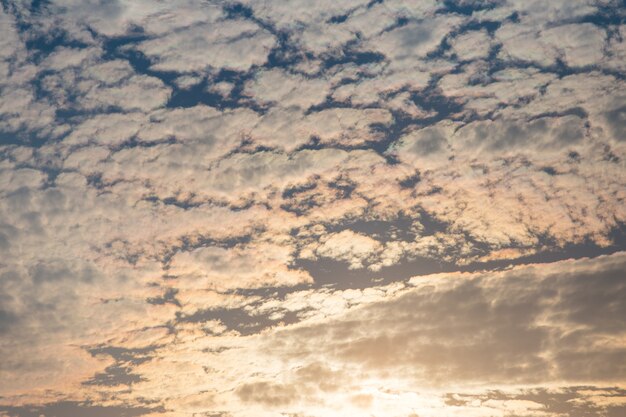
(310, 209)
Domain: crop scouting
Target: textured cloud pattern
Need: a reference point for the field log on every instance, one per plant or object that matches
(310, 209)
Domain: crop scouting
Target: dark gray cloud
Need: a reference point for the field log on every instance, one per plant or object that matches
(526, 325)
(617, 122)
(267, 393)
(71, 408)
(571, 401)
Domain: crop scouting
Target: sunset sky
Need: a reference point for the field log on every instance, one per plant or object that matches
(298, 208)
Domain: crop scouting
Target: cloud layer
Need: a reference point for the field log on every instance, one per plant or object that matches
(261, 208)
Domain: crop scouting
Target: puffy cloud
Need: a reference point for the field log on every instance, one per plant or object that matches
(289, 128)
(54, 318)
(426, 147)
(535, 12)
(580, 44)
(137, 93)
(229, 44)
(227, 256)
(616, 50)
(118, 17)
(524, 43)
(257, 265)
(267, 393)
(502, 137)
(349, 246)
(222, 129)
(288, 90)
(63, 58)
(471, 45)
(290, 15)
(21, 113)
(106, 129)
(414, 40)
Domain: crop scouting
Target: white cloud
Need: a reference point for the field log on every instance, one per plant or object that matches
(289, 128)
(223, 130)
(525, 44)
(301, 12)
(288, 90)
(577, 44)
(412, 41)
(537, 137)
(106, 129)
(229, 44)
(139, 92)
(582, 44)
(426, 148)
(115, 18)
(244, 266)
(348, 246)
(472, 45)
(168, 230)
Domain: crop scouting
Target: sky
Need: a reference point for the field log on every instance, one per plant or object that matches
(312, 208)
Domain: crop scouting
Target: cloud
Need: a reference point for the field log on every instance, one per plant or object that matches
(106, 129)
(287, 16)
(426, 147)
(414, 40)
(267, 393)
(137, 93)
(235, 45)
(290, 127)
(20, 111)
(235, 177)
(349, 246)
(63, 408)
(503, 136)
(51, 322)
(288, 90)
(405, 347)
(616, 120)
(221, 129)
(118, 17)
(578, 44)
(215, 208)
(506, 323)
(260, 265)
(472, 45)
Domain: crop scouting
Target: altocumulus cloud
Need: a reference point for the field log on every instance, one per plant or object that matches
(262, 208)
